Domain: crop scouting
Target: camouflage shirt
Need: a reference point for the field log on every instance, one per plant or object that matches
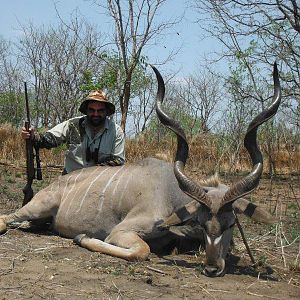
(85, 149)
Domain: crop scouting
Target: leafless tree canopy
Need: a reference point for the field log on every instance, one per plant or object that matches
(142, 107)
(56, 59)
(203, 94)
(255, 34)
(10, 86)
(136, 26)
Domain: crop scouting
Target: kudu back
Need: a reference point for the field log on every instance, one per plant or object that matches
(122, 211)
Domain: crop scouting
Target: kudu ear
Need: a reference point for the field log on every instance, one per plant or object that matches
(253, 211)
(181, 215)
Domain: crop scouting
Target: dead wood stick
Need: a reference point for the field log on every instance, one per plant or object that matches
(155, 270)
(244, 239)
(295, 197)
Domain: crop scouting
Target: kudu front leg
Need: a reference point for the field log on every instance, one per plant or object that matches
(126, 245)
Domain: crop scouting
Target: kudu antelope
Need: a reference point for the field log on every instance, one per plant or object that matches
(125, 211)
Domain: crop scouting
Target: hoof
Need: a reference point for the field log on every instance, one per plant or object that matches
(3, 227)
(78, 238)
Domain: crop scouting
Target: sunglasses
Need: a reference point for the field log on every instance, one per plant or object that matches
(92, 110)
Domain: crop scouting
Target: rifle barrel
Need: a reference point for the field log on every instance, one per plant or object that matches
(27, 121)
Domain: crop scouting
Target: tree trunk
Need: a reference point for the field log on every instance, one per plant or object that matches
(124, 101)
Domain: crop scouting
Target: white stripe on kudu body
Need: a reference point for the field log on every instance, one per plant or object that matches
(106, 187)
(52, 185)
(79, 188)
(117, 184)
(74, 184)
(125, 187)
(87, 190)
(62, 197)
(71, 189)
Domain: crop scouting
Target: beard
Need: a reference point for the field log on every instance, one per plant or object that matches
(96, 121)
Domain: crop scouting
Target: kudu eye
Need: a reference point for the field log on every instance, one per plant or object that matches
(208, 215)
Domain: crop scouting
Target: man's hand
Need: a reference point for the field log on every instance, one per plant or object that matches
(26, 134)
(112, 161)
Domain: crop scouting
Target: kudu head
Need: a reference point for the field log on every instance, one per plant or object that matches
(214, 208)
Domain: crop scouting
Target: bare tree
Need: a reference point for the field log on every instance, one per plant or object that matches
(255, 34)
(203, 93)
(57, 59)
(136, 26)
(194, 100)
(11, 84)
(142, 107)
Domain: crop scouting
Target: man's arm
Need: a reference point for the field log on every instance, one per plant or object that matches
(53, 137)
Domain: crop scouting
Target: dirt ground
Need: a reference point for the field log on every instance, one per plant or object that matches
(39, 265)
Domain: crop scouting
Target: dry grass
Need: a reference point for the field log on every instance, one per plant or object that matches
(287, 159)
(207, 154)
(11, 146)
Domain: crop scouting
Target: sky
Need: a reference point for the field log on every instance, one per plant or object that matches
(186, 37)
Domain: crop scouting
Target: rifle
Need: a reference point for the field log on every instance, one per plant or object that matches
(31, 171)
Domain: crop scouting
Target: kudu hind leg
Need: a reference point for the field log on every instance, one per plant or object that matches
(8, 219)
(126, 245)
(43, 205)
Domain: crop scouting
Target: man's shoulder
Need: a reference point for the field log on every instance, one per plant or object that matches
(113, 125)
(76, 119)
(72, 124)
(110, 123)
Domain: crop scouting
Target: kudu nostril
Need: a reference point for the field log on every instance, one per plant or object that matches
(211, 270)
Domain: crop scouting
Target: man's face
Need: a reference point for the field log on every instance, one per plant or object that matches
(96, 113)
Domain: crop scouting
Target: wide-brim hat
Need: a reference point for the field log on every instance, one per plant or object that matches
(100, 97)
